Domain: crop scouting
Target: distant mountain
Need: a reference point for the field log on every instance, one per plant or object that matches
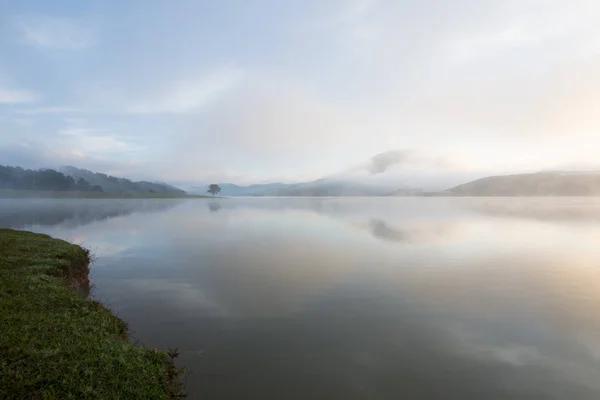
(391, 173)
(331, 187)
(536, 184)
(230, 189)
(404, 183)
(113, 184)
(320, 187)
(407, 192)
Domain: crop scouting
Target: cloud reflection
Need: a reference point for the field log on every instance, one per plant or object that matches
(470, 306)
(421, 231)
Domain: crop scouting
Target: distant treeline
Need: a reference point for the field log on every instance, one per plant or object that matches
(75, 179)
(113, 184)
(43, 179)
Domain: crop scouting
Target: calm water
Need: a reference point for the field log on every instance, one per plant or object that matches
(396, 298)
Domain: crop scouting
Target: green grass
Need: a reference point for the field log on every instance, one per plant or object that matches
(55, 344)
(9, 193)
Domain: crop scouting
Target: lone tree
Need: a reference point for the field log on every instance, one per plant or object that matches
(214, 189)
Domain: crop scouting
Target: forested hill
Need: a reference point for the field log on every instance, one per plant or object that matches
(113, 184)
(74, 179)
(44, 179)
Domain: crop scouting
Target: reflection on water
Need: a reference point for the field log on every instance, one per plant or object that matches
(420, 231)
(214, 206)
(353, 298)
(21, 213)
(543, 208)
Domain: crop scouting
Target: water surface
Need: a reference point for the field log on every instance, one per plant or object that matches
(359, 298)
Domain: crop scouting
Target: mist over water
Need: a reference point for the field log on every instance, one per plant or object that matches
(355, 298)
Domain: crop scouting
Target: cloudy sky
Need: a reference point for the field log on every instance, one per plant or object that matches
(259, 90)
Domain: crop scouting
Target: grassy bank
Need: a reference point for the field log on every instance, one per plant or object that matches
(9, 193)
(55, 344)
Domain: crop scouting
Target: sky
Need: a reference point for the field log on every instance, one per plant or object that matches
(266, 90)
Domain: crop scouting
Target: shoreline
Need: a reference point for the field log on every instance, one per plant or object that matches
(55, 342)
(50, 194)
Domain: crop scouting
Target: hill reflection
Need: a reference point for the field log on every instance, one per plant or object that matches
(71, 213)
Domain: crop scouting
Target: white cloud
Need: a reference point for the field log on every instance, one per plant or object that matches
(559, 100)
(36, 154)
(271, 121)
(567, 26)
(350, 79)
(17, 96)
(79, 137)
(186, 95)
(91, 141)
(56, 33)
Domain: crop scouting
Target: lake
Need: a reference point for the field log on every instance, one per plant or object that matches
(355, 298)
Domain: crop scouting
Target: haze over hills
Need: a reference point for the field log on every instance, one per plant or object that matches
(536, 184)
(412, 173)
(319, 187)
(394, 173)
(531, 184)
(497, 87)
(75, 179)
(17, 178)
(114, 184)
(231, 189)
(330, 187)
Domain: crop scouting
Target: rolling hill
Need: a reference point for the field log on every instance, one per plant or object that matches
(535, 184)
(113, 184)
